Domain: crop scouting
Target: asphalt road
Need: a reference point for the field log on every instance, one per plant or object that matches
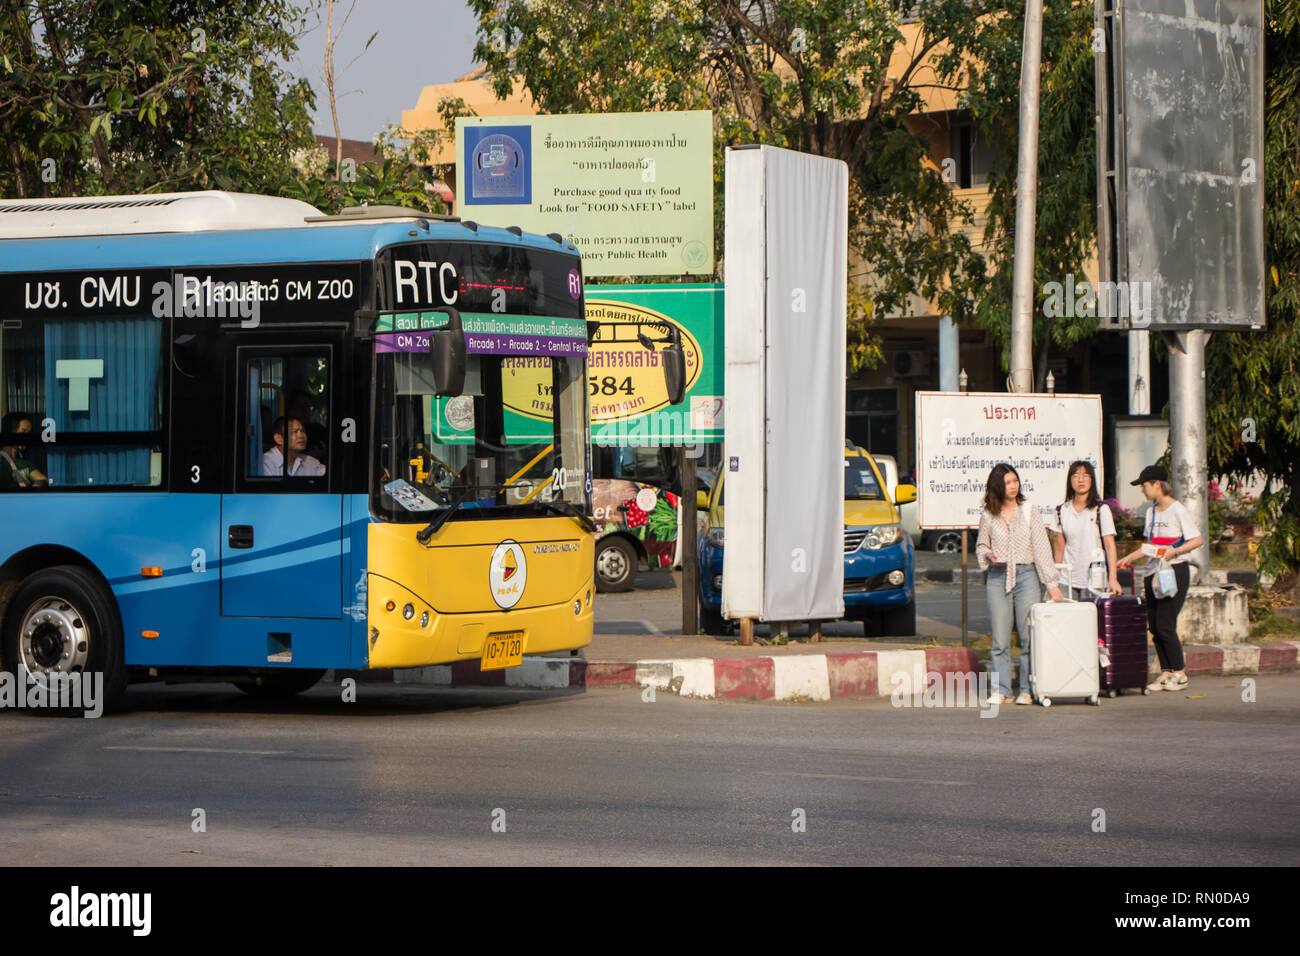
(417, 776)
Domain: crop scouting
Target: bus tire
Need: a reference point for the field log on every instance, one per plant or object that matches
(279, 684)
(64, 620)
(615, 564)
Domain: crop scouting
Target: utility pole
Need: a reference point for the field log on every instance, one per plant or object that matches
(1022, 283)
(1187, 456)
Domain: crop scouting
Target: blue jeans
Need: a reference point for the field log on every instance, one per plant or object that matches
(1002, 606)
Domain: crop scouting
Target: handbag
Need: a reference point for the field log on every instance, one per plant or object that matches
(1096, 580)
(1164, 584)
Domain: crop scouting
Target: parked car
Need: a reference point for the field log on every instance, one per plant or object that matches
(879, 559)
(942, 541)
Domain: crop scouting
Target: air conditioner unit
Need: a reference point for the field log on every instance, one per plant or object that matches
(911, 363)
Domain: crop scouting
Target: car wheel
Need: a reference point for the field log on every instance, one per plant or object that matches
(615, 565)
(63, 621)
(949, 542)
(899, 621)
(279, 683)
(712, 622)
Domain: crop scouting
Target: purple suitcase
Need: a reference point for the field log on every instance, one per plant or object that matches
(1122, 627)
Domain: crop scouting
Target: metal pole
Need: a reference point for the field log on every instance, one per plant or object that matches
(1022, 283)
(949, 354)
(965, 618)
(964, 565)
(1188, 470)
(688, 533)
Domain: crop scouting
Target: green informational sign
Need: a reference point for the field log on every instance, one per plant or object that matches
(629, 400)
(633, 191)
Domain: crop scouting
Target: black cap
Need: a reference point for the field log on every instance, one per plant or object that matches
(1151, 473)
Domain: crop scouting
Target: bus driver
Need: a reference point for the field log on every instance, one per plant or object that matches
(301, 465)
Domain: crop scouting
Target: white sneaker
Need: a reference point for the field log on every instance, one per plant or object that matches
(1159, 683)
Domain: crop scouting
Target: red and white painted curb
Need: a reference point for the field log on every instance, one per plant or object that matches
(797, 677)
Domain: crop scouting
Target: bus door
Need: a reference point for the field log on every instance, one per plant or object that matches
(282, 529)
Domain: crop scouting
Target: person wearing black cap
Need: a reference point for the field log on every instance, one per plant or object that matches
(1169, 527)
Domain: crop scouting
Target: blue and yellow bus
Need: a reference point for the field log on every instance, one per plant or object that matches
(244, 441)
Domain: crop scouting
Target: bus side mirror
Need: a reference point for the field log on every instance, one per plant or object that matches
(674, 363)
(447, 356)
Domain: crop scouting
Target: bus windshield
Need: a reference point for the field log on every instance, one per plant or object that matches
(515, 439)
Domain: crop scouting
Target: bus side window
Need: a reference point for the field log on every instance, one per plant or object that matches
(287, 405)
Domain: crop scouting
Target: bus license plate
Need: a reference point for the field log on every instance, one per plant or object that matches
(504, 649)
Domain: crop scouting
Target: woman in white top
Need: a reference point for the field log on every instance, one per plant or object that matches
(1170, 528)
(1085, 534)
(1014, 553)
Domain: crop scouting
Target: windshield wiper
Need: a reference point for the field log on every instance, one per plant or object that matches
(566, 509)
(432, 528)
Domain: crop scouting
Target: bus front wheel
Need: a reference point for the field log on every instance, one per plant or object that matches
(615, 565)
(63, 621)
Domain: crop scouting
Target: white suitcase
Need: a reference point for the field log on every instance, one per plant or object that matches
(1063, 651)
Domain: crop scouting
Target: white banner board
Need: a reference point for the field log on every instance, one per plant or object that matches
(960, 436)
(785, 308)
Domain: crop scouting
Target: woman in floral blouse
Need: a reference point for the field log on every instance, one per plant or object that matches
(1013, 550)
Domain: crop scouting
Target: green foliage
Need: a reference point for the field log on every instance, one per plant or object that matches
(822, 78)
(1252, 379)
(111, 96)
(1066, 225)
(103, 97)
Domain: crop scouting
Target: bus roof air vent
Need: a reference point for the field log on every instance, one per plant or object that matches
(515, 230)
(471, 225)
(372, 213)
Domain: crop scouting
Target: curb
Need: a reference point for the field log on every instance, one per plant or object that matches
(797, 677)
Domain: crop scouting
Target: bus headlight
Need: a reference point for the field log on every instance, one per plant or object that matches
(408, 611)
(882, 536)
(424, 619)
(577, 607)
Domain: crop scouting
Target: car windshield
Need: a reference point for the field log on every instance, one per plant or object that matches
(860, 481)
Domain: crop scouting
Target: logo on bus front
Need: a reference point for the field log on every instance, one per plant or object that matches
(507, 574)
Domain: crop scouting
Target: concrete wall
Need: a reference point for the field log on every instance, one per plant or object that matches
(1214, 614)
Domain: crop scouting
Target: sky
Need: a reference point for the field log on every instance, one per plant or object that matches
(419, 43)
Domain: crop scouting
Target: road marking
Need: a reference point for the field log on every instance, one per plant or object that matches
(204, 750)
(842, 776)
(649, 627)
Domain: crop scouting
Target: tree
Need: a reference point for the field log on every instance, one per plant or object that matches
(108, 96)
(118, 96)
(1252, 378)
(822, 78)
(1066, 232)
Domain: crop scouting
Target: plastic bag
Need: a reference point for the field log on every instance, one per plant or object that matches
(1164, 584)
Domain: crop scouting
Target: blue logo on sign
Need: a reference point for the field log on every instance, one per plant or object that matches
(499, 160)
